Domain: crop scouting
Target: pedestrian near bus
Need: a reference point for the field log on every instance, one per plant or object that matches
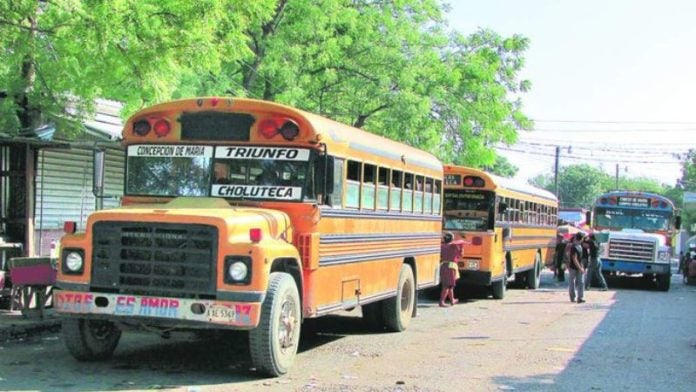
(450, 252)
(594, 274)
(576, 271)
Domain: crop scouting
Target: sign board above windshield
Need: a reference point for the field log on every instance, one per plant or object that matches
(631, 201)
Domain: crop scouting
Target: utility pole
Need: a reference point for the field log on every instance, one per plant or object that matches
(617, 176)
(555, 169)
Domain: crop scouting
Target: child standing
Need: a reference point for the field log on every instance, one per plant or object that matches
(450, 252)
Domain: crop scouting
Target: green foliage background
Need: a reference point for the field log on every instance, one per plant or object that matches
(390, 67)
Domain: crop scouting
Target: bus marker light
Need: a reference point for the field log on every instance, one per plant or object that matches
(268, 127)
(290, 130)
(214, 101)
(141, 127)
(69, 227)
(162, 128)
(255, 234)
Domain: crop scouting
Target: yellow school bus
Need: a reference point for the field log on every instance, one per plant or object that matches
(251, 215)
(509, 228)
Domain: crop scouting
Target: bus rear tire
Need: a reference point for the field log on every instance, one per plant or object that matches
(90, 340)
(534, 274)
(498, 288)
(273, 343)
(398, 310)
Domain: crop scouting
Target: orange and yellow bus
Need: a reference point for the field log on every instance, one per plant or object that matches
(509, 228)
(251, 215)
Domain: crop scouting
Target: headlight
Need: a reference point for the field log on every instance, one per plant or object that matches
(73, 261)
(238, 271)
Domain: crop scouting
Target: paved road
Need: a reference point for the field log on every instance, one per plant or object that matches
(629, 338)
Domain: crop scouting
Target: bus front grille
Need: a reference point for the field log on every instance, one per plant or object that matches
(158, 259)
(631, 250)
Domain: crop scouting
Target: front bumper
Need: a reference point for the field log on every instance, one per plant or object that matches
(242, 315)
(633, 267)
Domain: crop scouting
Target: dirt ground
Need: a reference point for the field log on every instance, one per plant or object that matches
(627, 338)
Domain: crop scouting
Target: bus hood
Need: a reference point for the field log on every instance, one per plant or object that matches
(235, 220)
(638, 236)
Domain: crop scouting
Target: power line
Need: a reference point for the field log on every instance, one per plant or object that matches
(559, 130)
(591, 158)
(615, 122)
(633, 150)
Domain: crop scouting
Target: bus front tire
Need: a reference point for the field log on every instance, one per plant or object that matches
(273, 343)
(534, 274)
(90, 340)
(398, 310)
(498, 288)
(663, 282)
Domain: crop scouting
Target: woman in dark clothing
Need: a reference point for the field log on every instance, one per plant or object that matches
(595, 264)
(450, 252)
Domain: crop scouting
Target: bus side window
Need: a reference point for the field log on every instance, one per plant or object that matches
(408, 193)
(337, 191)
(368, 187)
(395, 185)
(418, 195)
(437, 198)
(383, 188)
(428, 196)
(353, 178)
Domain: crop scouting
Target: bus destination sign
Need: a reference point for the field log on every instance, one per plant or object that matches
(632, 201)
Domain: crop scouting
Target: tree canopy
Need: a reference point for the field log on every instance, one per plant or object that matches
(390, 67)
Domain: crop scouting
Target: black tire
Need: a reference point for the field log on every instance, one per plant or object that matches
(90, 340)
(534, 274)
(498, 288)
(663, 282)
(399, 309)
(273, 343)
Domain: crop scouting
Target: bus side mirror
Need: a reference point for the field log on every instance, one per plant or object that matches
(502, 207)
(588, 218)
(506, 232)
(677, 222)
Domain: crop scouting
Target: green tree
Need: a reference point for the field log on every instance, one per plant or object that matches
(58, 56)
(389, 67)
(578, 185)
(503, 167)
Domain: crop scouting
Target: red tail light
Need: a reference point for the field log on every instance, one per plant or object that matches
(162, 128)
(255, 235)
(69, 227)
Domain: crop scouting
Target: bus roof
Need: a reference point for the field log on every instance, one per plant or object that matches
(315, 129)
(502, 183)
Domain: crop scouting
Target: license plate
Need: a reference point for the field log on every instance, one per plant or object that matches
(472, 264)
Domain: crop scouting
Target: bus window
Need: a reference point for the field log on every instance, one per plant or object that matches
(336, 196)
(396, 186)
(436, 197)
(167, 175)
(418, 195)
(368, 186)
(408, 193)
(428, 196)
(383, 188)
(353, 178)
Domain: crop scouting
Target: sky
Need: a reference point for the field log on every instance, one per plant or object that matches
(613, 81)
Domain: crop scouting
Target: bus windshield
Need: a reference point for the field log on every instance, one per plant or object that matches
(620, 218)
(168, 170)
(468, 210)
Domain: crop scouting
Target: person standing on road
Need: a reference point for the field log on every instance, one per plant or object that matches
(595, 264)
(450, 252)
(559, 256)
(576, 272)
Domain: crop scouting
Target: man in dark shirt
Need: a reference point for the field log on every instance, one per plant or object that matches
(595, 266)
(576, 271)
